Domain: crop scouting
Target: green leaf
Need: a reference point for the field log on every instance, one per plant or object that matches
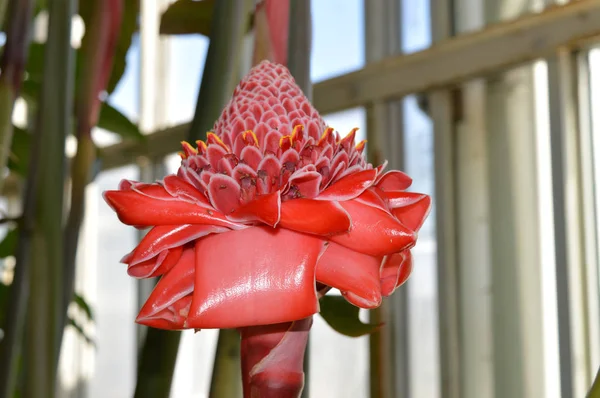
(9, 243)
(84, 306)
(39, 6)
(80, 331)
(18, 160)
(595, 390)
(35, 62)
(4, 289)
(112, 120)
(187, 17)
(30, 90)
(343, 317)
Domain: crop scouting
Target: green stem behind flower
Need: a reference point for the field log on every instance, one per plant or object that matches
(595, 389)
(7, 100)
(299, 44)
(52, 125)
(226, 374)
(81, 167)
(3, 4)
(156, 364)
(219, 77)
(38, 261)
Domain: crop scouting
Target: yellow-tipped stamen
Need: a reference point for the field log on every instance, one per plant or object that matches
(328, 131)
(201, 145)
(349, 137)
(251, 133)
(361, 145)
(212, 138)
(282, 141)
(298, 129)
(188, 149)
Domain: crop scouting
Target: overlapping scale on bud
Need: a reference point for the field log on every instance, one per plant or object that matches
(269, 139)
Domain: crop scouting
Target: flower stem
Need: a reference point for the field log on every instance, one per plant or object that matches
(273, 358)
(226, 369)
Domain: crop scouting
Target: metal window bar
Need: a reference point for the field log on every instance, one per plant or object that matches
(590, 228)
(441, 111)
(566, 127)
(471, 191)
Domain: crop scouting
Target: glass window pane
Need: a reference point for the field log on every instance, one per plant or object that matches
(416, 33)
(184, 71)
(338, 38)
(422, 285)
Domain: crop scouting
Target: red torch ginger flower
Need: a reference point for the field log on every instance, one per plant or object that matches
(271, 206)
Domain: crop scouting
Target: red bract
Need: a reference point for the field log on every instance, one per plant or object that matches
(271, 206)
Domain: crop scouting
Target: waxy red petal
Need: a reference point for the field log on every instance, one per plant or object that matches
(133, 208)
(178, 187)
(350, 186)
(305, 184)
(255, 276)
(170, 318)
(396, 199)
(264, 208)
(353, 272)
(164, 237)
(395, 270)
(413, 213)
(374, 231)
(164, 306)
(373, 197)
(394, 180)
(155, 266)
(314, 217)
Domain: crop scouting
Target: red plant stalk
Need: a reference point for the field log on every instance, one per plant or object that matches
(98, 51)
(272, 359)
(99, 48)
(271, 24)
(273, 205)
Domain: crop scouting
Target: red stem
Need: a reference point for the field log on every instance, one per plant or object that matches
(272, 359)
